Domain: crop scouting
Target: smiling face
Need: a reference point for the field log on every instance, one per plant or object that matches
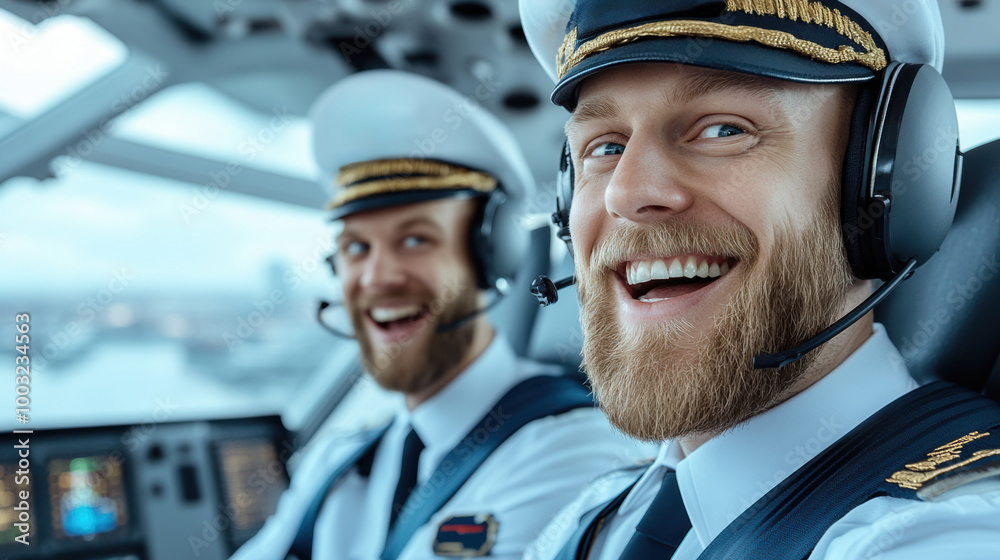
(704, 223)
(407, 271)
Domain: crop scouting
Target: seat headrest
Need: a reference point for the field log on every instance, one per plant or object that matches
(515, 316)
(558, 336)
(944, 319)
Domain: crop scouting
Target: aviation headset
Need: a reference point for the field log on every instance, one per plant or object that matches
(498, 244)
(900, 179)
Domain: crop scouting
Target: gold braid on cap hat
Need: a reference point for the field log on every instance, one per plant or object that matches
(368, 178)
(809, 12)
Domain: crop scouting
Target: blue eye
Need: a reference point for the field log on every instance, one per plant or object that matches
(413, 241)
(355, 248)
(721, 131)
(608, 149)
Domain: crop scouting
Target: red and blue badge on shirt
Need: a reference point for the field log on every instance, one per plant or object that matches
(466, 535)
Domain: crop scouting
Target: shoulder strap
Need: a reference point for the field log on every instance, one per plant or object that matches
(578, 544)
(893, 453)
(302, 544)
(534, 398)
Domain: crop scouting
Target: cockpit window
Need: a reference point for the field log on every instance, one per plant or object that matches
(51, 61)
(196, 119)
(153, 297)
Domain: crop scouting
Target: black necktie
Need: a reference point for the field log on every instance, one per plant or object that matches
(662, 528)
(407, 474)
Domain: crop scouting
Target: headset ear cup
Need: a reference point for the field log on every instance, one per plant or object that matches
(922, 180)
(904, 202)
(480, 245)
(502, 240)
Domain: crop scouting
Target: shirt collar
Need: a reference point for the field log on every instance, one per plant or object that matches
(444, 419)
(649, 483)
(730, 472)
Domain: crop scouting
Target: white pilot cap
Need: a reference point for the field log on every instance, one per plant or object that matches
(386, 137)
(800, 40)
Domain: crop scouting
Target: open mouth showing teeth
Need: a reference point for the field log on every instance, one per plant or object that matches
(661, 279)
(388, 318)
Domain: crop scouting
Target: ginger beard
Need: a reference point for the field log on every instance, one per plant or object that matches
(663, 381)
(421, 360)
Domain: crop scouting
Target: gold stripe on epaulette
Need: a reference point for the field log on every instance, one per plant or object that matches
(474, 180)
(810, 12)
(919, 473)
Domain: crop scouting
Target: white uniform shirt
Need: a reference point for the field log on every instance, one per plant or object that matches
(730, 472)
(522, 484)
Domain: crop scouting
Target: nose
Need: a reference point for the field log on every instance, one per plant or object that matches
(644, 187)
(382, 269)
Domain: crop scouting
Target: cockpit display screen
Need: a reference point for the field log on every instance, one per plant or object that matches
(87, 496)
(253, 480)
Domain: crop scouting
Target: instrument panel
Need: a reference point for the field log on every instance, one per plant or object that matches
(155, 491)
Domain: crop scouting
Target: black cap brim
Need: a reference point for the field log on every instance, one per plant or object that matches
(746, 57)
(400, 198)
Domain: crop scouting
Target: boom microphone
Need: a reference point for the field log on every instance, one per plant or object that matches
(323, 304)
(547, 291)
(448, 327)
(779, 359)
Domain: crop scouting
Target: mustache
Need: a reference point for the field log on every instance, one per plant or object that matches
(671, 238)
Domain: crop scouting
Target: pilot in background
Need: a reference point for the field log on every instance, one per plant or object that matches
(423, 239)
(721, 157)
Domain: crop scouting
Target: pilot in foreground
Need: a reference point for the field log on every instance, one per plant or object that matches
(424, 236)
(714, 218)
